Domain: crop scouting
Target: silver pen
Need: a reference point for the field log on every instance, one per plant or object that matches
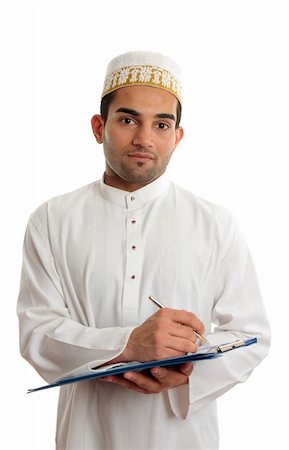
(160, 305)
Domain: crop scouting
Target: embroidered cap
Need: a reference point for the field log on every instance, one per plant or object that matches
(143, 68)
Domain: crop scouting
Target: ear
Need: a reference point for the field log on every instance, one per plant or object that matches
(97, 124)
(179, 135)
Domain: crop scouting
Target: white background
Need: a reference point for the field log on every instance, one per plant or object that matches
(234, 56)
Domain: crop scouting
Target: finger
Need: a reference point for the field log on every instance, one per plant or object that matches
(186, 368)
(115, 379)
(181, 345)
(185, 318)
(168, 378)
(147, 384)
(183, 331)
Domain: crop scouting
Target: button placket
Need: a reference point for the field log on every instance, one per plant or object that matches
(133, 265)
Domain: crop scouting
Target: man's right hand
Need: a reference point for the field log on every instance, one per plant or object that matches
(167, 333)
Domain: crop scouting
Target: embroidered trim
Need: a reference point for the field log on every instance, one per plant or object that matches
(142, 75)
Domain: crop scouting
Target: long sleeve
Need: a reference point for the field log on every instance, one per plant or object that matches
(50, 339)
(237, 313)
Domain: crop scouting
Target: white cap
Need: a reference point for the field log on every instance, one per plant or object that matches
(143, 68)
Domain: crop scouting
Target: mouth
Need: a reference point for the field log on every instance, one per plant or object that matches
(141, 155)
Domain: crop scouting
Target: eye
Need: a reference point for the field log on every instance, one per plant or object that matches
(127, 121)
(163, 126)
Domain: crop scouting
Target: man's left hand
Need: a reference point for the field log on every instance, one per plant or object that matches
(161, 379)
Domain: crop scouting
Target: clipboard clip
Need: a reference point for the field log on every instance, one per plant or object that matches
(226, 347)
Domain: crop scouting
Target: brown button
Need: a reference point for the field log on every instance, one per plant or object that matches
(132, 199)
(133, 277)
(133, 221)
(133, 247)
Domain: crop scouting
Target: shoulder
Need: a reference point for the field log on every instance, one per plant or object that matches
(202, 207)
(65, 204)
(206, 216)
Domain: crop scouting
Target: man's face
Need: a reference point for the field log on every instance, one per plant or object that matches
(139, 136)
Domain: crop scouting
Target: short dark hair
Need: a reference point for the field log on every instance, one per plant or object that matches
(107, 99)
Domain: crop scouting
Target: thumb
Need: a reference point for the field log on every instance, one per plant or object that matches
(186, 368)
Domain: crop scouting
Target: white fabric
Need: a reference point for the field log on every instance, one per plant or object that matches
(78, 304)
(142, 58)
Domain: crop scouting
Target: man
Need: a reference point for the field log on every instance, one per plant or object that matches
(94, 256)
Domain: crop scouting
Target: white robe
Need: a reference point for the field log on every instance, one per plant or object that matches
(91, 259)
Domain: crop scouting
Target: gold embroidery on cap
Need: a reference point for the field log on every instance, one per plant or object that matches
(138, 75)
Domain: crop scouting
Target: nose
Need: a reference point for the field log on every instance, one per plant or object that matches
(143, 136)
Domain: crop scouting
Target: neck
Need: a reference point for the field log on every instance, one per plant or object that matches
(117, 182)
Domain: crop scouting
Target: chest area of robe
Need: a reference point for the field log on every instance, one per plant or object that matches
(110, 258)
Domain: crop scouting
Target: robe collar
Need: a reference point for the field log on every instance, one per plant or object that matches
(135, 199)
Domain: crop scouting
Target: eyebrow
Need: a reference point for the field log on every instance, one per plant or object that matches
(135, 113)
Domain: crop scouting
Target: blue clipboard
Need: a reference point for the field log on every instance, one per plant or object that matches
(205, 353)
